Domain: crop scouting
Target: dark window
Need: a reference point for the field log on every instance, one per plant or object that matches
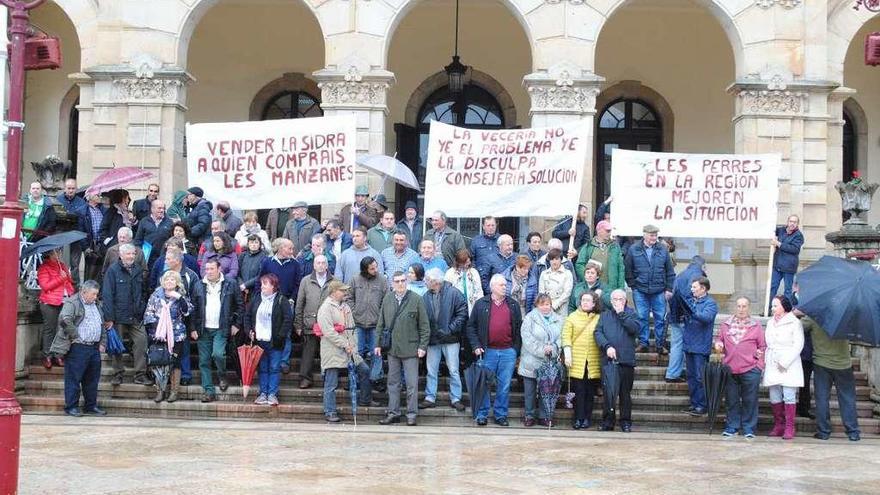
(292, 105)
(473, 108)
(628, 124)
(73, 137)
(849, 147)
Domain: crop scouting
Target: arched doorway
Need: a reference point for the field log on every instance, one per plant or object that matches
(473, 108)
(629, 124)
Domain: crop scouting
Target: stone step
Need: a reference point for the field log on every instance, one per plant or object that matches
(643, 420)
(655, 388)
(315, 395)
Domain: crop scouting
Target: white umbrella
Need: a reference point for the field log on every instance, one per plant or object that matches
(390, 168)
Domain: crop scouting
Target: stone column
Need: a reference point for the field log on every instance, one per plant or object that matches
(777, 115)
(353, 89)
(134, 115)
(561, 94)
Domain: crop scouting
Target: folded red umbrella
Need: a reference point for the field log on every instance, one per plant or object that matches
(249, 357)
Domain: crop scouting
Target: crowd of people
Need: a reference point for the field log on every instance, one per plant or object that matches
(371, 297)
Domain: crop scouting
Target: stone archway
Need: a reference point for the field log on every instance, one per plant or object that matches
(440, 79)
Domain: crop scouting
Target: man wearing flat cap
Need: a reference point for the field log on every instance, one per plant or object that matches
(412, 225)
(301, 227)
(199, 218)
(650, 275)
(360, 213)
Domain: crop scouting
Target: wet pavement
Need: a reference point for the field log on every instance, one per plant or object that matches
(61, 455)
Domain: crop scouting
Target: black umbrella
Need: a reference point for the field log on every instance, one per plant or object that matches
(549, 383)
(715, 376)
(843, 297)
(611, 383)
(479, 379)
(52, 242)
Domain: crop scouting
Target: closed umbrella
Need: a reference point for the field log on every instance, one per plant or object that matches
(161, 373)
(117, 178)
(611, 383)
(249, 357)
(52, 243)
(549, 383)
(390, 168)
(843, 297)
(479, 378)
(715, 377)
(114, 343)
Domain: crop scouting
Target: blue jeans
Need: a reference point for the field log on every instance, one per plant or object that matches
(776, 278)
(845, 383)
(270, 369)
(366, 345)
(82, 370)
(500, 362)
(450, 353)
(742, 402)
(285, 353)
(185, 365)
(676, 352)
(331, 381)
(695, 365)
(647, 304)
(212, 346)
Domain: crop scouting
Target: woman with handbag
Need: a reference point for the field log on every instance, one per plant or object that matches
(541, 333)
(268, 321)
(164, 321)
(582, 356)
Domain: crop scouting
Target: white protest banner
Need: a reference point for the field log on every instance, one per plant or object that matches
(528, 172)
(692, 195)
(273, 163)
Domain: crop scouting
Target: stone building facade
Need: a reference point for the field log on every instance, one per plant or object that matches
(725, 76)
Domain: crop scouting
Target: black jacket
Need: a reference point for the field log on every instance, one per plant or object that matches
(141, 208)
(249, 266)
(123, 294)
(478, 325)
(156, 235)
(231, 305)
(581, 233)
(110, 226)
(618, 331)
(85, 225)
(46, 223)
(282, 318)
(452, 316)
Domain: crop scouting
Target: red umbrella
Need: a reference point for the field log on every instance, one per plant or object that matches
(249, 357)
(117, 178)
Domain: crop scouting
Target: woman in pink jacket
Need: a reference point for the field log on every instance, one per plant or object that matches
(741, 338)
(56, 284)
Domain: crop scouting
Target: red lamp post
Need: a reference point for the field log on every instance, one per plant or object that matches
(10, 229)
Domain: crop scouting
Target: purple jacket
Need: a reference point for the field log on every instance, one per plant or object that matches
(228, 264)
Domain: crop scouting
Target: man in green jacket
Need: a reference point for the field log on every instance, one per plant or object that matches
(606, 252)
(832, 365)
(404, 318)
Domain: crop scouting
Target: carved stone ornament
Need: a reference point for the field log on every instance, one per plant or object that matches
(146, 88)
(353, 92)
(786, 4)
(52, 172)
(772, 101)
(563, 98)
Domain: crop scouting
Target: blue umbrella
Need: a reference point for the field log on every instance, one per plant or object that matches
(479, 378)
(52, 242)
(114, 343)
(549, 383)
(843, 297)
(353, 389)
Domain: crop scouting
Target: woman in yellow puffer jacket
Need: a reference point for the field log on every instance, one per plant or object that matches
(583, 356)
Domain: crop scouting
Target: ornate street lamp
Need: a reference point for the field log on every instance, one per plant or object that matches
(456, 71)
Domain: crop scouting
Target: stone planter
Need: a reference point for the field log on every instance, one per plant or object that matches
(856, 196)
